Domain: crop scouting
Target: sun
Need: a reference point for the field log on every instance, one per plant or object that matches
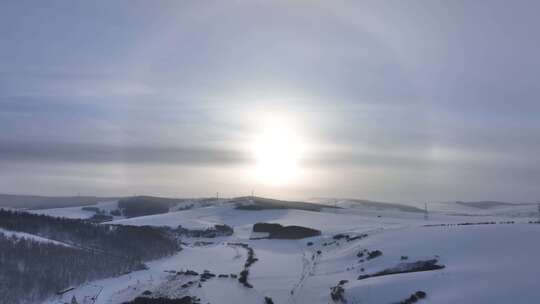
(278, 151)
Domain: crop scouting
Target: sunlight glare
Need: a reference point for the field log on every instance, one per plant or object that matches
(278, 150)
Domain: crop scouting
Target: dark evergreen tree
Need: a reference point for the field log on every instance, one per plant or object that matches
(31, 270)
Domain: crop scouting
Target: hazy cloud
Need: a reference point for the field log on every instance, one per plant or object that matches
(395, 96)
(103, 154)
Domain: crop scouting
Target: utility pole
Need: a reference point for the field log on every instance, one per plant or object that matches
(425, 212)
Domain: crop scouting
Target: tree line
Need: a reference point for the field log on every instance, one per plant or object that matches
(31, 270)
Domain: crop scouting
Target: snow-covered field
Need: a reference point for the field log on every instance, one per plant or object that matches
(484, 263)
(78, 211)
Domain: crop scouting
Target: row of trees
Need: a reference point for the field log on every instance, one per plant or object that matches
(145, 205)
(31, 270)
(130, 242)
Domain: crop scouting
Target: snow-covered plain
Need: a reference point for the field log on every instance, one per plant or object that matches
(488, 263)
(78, 211)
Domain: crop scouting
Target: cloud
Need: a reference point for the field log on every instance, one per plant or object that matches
(399, 88)
(49, 152)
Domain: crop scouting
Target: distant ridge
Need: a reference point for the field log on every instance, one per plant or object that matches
(489, 204)
(45, 202)
(244, 202)
(261, 203)
(361, 203)
(385, 206)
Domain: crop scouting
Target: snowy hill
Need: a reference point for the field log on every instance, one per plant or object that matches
(78, 212)
(489, 255)
(43, 202)
(368, 252)
(22, 235)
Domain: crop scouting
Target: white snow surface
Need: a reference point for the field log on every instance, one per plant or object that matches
(495, 263)
(24, 235)
(76, 212)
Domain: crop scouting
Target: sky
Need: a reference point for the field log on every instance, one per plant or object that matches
(405, 101)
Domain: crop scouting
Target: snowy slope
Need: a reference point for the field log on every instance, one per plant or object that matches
(24, 235)
(77, 212)
(484, 264)
(493, 263)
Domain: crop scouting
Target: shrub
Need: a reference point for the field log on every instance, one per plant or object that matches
(266, 227)
(243, 276)
(426, 265)
(145, 205)
(337, 294)
(191, 273)
(116, 212)
(183, 300)
(100, 218)
(340, 236)
(277, 231)
(420, 294)
(373, 254)
(91, 209)
(413, 298)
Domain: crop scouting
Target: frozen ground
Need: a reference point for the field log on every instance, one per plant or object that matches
(77, 212)
(484, 263)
